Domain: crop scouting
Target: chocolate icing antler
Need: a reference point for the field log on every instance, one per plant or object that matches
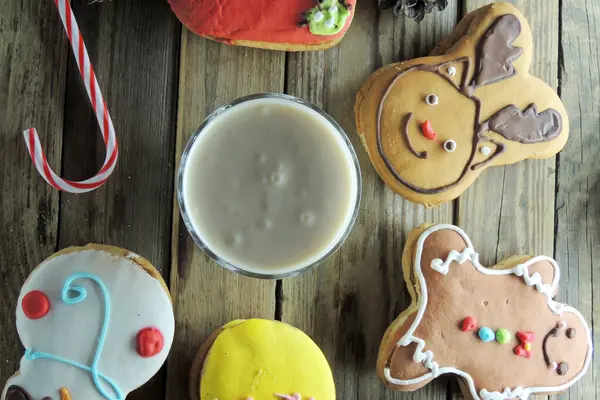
(496, 53)
(528, 126)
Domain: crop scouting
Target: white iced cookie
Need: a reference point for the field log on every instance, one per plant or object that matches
(96, 322)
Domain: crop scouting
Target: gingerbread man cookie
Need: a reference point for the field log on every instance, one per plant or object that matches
(297, 25)
(97, 322)
(432, 125)
(499, 330)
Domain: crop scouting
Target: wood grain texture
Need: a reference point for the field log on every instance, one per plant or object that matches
(509, 210)
(33, 55)
(134, 47)
(578, 175)
(206, 295)
(347, 304)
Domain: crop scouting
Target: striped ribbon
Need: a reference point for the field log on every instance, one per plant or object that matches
(106, 126)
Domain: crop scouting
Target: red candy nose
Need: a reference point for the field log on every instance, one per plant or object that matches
(150, 342)
(469, 324)
(428, 131)
(35, 304)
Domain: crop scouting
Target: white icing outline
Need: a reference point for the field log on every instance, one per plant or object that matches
(520, 270)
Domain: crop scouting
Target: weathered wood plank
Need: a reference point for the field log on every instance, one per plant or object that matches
(134, 46)
(33, 56)
(347, 304)
(578, 175)
(206, 296)
(509, 210)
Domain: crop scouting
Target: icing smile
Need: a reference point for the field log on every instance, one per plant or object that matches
(561, 367)
(407, 119)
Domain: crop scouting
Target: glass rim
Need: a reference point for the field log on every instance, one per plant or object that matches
(206, 249)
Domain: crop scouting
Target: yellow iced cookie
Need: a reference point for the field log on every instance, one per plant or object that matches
(261, 360)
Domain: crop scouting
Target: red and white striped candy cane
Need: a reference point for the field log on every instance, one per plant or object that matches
(106, 126)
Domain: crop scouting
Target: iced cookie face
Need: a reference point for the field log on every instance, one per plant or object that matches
(422, 139)
(432, 125)
(505, 313)
(96, 324)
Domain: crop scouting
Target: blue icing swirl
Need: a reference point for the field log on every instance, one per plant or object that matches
(80, 294)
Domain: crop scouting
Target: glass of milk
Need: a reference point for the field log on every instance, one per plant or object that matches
(269, 186)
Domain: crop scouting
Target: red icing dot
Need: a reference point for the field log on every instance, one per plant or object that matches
(150, 342)
(469, 324)
(35, 304)
(428, 131)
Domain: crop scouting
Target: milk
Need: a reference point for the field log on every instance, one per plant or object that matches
(269, 186)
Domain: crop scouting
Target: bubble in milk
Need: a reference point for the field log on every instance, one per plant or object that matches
(308, 218)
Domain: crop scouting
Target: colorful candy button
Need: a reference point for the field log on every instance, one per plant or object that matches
(150, 342)
(503, 336)
(469, 324)
(486, 334)
(35, 304)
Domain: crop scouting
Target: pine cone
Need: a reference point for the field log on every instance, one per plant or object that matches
(413, 9)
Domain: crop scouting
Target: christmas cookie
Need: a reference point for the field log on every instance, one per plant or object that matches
(96, 322)
(260, 359)
(499, 330)
(297, 25)
(432, 125)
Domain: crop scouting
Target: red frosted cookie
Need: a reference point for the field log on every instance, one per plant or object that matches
(498, 329)
(297, 25)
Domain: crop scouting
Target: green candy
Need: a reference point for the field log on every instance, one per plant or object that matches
(503, 336)
(328, 18)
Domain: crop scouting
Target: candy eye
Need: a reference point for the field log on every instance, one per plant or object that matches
(431, 99)
(35, 304)
(449, 146)
(452, 71)
(563, 368)
(571, 333)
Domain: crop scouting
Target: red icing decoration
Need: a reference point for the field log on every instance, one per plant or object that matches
(428, 131)
(469, 324)
(150, 342)
(256, 20)
(521, 352)
(526, 337)
(35, 304)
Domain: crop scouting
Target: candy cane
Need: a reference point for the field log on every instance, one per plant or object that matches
(106, 126)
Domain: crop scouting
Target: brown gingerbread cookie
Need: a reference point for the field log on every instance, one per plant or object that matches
(499, 330)
(432, 125)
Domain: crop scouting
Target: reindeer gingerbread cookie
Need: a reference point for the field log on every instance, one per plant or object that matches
(499, 330)
(97, 322)
(432, 125)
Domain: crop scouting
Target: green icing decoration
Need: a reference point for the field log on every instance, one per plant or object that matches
(328, 18)
(503, 336)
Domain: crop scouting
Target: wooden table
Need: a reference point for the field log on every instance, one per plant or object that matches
(160, 81)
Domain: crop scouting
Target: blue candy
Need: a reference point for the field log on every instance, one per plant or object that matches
(486, 334)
